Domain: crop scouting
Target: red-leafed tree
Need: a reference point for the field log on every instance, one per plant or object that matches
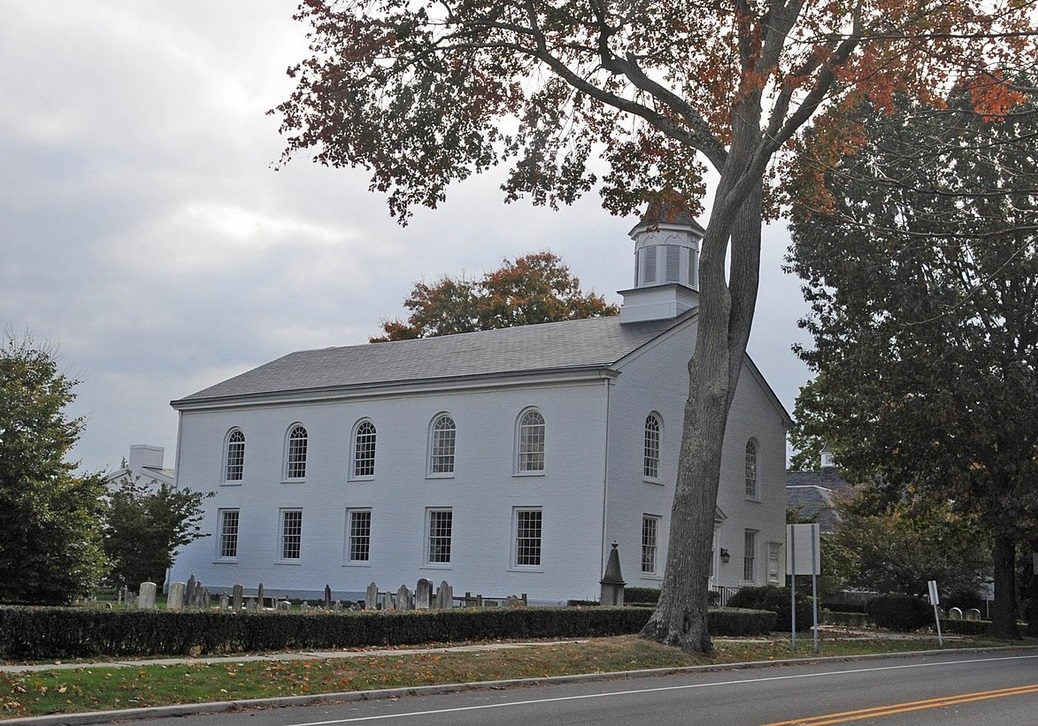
(633, 98)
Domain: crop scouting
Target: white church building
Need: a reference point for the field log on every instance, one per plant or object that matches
(505, 462)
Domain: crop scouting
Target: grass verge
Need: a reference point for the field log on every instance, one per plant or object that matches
(97, 687)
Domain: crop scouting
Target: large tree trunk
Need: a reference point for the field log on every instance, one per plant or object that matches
(1003, 615)
(725, 315)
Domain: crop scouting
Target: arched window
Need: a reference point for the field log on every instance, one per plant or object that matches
(442, 437)
(234, 456)
(364, 450)
(651, 458)
(295, 453)
(752, 489)
(530, 443)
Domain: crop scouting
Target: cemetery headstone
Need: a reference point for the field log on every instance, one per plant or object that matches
(175, 599)
(444, 596)
(146, 598)
(423, 594)
(403, 598)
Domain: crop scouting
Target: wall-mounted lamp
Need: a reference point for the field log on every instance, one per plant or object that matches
(725, 557)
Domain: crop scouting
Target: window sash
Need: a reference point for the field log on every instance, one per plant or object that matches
(359, 536)
(651, 459)
(749, 559)
(650, 532)
(441, 455)
(440, 527)
(296, 468)
(229, 519)
(364, 450)
(528, 528)
(291, 534)
(751, 470)
(235, 457)
(531, 442)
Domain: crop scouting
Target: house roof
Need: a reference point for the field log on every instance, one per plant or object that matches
(593, 343)
(811, 494)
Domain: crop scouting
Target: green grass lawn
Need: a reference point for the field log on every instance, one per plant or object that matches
(96, 686)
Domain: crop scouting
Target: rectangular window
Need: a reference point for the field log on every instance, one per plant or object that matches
(749, 556)
(439, 550)
(650, 534)
(528, 538)
(358, 535)
(693, 269)
(291, 533)
(228, 534)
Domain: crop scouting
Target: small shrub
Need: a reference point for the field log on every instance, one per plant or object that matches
(777, 600)
(903, 613)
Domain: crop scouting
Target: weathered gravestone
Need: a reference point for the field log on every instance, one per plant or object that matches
(404, 599)
(146, 598)
(175, 599)
(371, 597)
(423, 594)
(237, 597)
(444, 596)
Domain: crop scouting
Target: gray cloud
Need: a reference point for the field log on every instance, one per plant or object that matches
(144, 230)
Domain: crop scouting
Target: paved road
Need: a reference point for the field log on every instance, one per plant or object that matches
(949, 689)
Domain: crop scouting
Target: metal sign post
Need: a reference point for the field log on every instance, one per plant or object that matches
(935, 600)
(803, 560)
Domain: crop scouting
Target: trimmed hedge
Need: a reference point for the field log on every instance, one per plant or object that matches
(740, 621)
(965, 627)
(641, 595)
(777, 600)
(903, 613)
(37, 633)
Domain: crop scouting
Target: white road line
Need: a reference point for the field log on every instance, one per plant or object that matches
(638, 691)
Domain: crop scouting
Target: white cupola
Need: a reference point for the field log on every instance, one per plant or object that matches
(666, 264)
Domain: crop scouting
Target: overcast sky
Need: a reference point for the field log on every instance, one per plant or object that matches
(145, 233)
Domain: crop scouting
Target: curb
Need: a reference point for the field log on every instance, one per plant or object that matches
(189, 709)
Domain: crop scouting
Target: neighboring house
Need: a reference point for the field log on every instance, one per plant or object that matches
(503, 462)
(812, 494)
(144, 466)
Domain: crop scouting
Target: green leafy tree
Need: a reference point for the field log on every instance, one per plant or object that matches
(923, 283)
(899, 549)
(536, 288)
(50, 543)
(635, 99)
(145, 525)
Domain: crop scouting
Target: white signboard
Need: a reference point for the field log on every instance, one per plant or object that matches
(803, 549)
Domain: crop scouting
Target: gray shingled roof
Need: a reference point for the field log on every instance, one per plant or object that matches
(591, 343)
(811, 494)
